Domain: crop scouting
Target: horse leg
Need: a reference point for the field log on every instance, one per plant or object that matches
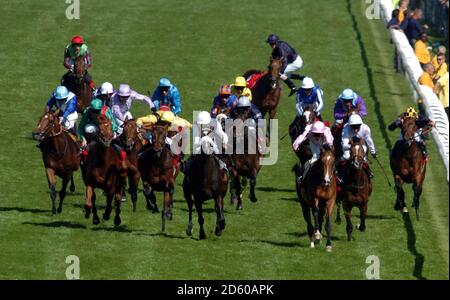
(72, 185)
(317, 235)
(238, 187)
(190, 203)
(117, 202)
(328, 212)
(133, 183)
(252, 189)
(338, 217)
(108, 209)
(417, 188)
(88, 201)
(52, 185)
(95, 218)
(233, 197)
(348, 218)
(362, 217)
(165, 210)
(220, 221)
(150, 198)
(400, 201)
(198, 207)
(307, 216)
(62, 193)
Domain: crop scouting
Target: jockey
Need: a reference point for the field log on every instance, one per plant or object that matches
(309, 93)
(224, 102)
(76, 48)
(347, 103)
(121, 103)
(246, 109)
(167, 94)
(66, 102)
(291, 60)
(319, 135)
(240, 88)
(206, 124)
(421, 122)
(88, 124)
(355, 128)
(104, 93)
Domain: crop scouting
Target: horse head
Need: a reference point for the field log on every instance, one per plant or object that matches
(409, 127)
(309, 113)
(159, 134)
(357, 153)
(105, 132)
(79, 67)
(48, 126)
(274, 71)
(328, 162)
(130, 133)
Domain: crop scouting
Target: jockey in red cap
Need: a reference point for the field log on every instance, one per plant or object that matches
(76, 48)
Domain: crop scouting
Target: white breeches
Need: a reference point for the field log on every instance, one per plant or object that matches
(70, 121)
(292, 67)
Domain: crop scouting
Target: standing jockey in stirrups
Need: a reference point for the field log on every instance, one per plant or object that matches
(291, 61)
(76, 48)
(167, 94)
(66, 103)
(121, 103)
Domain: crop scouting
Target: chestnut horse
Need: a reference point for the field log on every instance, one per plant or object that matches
(105, 168)
(155, 163)
(77, 84)
(357, 187)
(318, 194)
(132, 143)
(408, 165)
(60, 155)
(266, 92)
(205, 181)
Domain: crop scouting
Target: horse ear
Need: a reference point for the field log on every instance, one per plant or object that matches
(126, 118)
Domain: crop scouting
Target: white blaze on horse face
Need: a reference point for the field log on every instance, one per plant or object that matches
(328, 173)
(306, 114)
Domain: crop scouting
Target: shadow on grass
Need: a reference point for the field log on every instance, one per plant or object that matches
(24, 209)
(274, 189)
(275, 243)
(419, 259)
(295, 199)
(120, 228)
(57, 224)
(379, 217)
(164, 234)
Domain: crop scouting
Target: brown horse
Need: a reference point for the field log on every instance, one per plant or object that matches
(319, 195)
(408, 165)
(244, 162)
(78, 84)
(205, 180)
(357, 189)
(133, 145)
(104, 168)
(266, 92)
(155, 163)
(60, 155)
(297, 127)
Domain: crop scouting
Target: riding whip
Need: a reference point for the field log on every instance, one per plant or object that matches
(384, 172)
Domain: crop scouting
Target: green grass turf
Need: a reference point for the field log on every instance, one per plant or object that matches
(200, 45)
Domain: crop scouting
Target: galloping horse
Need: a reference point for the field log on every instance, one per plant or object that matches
(319, 195)
(60, 155)
(408, 165)
(133, 145)
(297, 127)
(357, 187)
(205, 181)
(155, 163)
(77, 84)
(266, 92)
(246, 164)
(104, 168)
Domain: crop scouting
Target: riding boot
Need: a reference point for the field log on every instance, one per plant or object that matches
(298, 77)
(291, 85)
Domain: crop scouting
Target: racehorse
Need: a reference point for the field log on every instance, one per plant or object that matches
(155, 163)
(78, 84)
(244, 162)
(266, 92)
(205, 180)
(408, 165)
(318, 194)
(133, 145)
(105, 168)
(60, 155)
(357, 187)
(297, 127)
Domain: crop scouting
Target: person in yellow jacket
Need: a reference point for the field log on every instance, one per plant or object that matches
(421, 50)
(240, 88)
(440, 66)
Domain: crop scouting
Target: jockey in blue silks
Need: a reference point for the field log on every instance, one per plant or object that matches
(309, 93)
(167, 94)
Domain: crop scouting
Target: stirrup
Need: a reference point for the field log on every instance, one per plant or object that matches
(293, 91)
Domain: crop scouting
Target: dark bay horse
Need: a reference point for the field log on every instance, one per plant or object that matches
(77, 84)
(357, 187)
(297, 127)
(205, 181)
(408, 165)
(318, 195)
(155, 163)
(132, 143)
(266, 92)
(104, 168)
(60, 155)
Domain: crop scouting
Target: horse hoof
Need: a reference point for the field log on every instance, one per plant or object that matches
(329, 248)
(105, 217)
(239, 207)
(317, 236)
(338, 221)
(123, 199)
(349, 238)
(169, 216)
(253, 199)
(59, 210)
(312, 245)
(189, 230)
(117, 221)
(95, 220)
(202, 236)
(405, 210)
(218, 231)
(86, 215)
(72, 189)
(397, 206)
(134, 206)
(155, 210)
